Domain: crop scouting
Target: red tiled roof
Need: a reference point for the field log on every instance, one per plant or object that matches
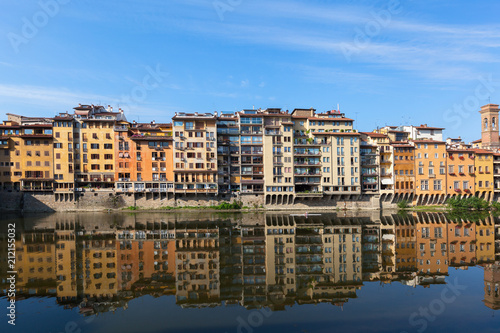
(336, 133)
(374, 135)
(460, 150)
(482, 151)
(429, 128)
(429, 141)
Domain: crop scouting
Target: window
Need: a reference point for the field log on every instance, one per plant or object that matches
(437, 185)
(424, 185)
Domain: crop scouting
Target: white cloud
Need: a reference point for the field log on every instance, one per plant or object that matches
(245, 83)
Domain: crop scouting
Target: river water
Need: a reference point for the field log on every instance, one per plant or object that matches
(249, 272)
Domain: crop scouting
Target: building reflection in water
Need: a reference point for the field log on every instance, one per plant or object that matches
(254, 260)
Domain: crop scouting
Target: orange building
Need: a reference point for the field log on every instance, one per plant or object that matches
(406, 249)
(125, 166)
(432, 254)
(461, 173)
(430, 167)
(139, 258)
(404, 168)
(144, 157)
(462, 243)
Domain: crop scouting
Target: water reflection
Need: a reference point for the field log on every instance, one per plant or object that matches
(99, 262)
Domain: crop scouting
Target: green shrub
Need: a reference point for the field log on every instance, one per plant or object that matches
(227, 205)
(495, 205)
(469, 203)
(403, 204)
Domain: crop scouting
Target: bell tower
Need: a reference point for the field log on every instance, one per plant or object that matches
(489, 126)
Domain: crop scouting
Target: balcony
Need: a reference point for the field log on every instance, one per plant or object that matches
(308, 142)
(273, 132)
(308, 153)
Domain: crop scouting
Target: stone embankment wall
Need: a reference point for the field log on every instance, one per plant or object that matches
(104, 200)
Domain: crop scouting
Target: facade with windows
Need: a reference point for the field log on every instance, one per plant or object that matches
(461, 173)
(430, 159)
(404, 167)
(195, 153)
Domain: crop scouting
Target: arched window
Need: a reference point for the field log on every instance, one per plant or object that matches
(493, 123)
(485, 123)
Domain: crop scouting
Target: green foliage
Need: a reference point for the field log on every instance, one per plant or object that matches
(495, 205)
(132, 208)
(468, 203)
(403, 204)
(227, 205)
(463, 215)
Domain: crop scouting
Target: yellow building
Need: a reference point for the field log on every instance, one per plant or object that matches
(95, 126)
(66, 264)
(99, 266)
(31, 157)
(461, 177)
(10, 156)
(484, 181)
(35, 263)
(485, 241)
(64, 153)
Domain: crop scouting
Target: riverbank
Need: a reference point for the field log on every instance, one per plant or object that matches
(110, 201)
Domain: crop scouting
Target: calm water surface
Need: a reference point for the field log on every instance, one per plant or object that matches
(266, 272)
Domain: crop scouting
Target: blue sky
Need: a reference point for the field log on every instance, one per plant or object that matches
(384, 62)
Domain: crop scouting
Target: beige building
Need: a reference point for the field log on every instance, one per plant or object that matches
(195, 153)
(386, 161)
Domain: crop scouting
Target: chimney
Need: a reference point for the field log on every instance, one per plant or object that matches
(153, 122)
